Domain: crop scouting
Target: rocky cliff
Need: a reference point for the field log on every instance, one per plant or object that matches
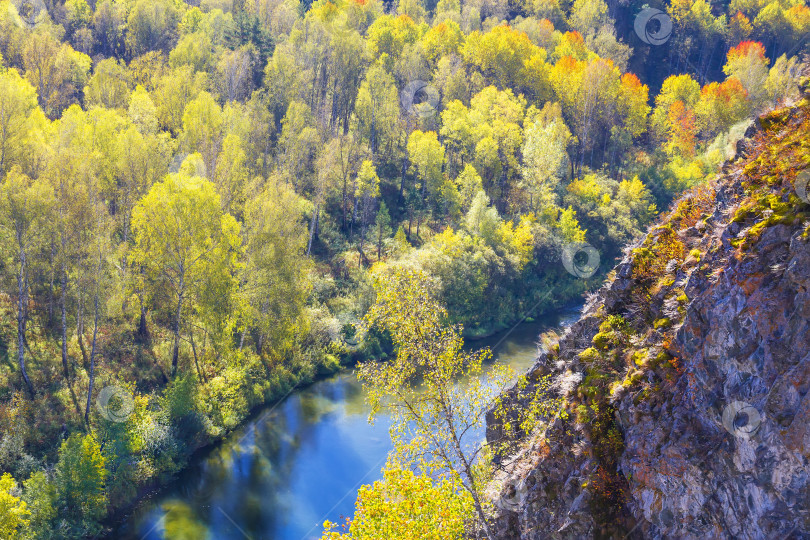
(687, 375)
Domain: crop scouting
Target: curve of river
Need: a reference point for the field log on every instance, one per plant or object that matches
(296, 463)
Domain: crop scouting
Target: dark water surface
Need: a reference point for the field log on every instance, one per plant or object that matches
(297, 463)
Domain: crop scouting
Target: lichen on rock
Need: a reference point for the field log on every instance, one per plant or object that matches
(687, 375)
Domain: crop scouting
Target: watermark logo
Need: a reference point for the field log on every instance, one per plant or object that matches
(199, 488)
(177, 162)
(115, 403)
(30, 11)
(420, 99)
(580, 259)
(802, 185)
(340, 25)
(190, 164)
(513, 494)
(741, 419)
(653, 26)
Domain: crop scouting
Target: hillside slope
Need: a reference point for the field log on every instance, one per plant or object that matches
(687, 375)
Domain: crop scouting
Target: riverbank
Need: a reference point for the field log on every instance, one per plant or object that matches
(305, 453)
(208, 444)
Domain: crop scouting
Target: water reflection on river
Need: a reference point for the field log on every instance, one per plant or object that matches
(296, 464)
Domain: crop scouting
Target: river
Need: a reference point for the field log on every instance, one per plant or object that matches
(296, 463)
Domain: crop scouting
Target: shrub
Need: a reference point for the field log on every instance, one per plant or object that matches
(80, 481)
(41, 497)
(408, 506)
(662, 323)
(330, 365)
(13, 511)
(158, 450)
(179, 399)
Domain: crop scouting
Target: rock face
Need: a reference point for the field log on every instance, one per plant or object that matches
(711, 394)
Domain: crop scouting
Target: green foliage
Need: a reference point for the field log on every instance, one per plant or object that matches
(276, 237)
(119, 448)
(179, 399)
(545, 157)
(382, 227)
(213, 177)
(662, 323)
(427, 156)
(41, 496)
(200, 255)
(108, 87)
(80, 479)
(612, 212)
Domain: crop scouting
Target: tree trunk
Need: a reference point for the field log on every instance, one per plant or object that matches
(63, 300)
(343, 203)
(467, 469)
(80, 330)
(176, 348)
(312, 227)
(143, 331)
(402, 177)
(92, 359)
(194, 350)
(467, 472)
(22, 317)
(373, 134)
(50, 285)
(354, 216)
(363, 219)
(127, 215)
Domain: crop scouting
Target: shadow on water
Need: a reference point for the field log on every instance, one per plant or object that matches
(297, 464)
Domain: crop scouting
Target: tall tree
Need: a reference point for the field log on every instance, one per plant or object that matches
(18, 100)
(510, 61)
(204, 130)
(56, 70)
(109, 85)
(14, 513)
(681, 88)
(151, 25)
(377, 108)
(748, 64)
(488, 134)
(427, 157)
(68, 173)
(96, 269)
(545, 158)
(275, 278)
(382, 227)
(25, 218)
(185, 239)
(433, 388)
(80, 479)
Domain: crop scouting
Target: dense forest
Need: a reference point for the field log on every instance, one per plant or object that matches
(198, 203)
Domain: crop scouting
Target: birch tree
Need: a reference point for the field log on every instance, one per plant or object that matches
(434, 390)
(187, 242)
(25, 215)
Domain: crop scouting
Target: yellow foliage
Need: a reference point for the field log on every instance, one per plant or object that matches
(13, 511)
(449, 243)
(407, 506)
